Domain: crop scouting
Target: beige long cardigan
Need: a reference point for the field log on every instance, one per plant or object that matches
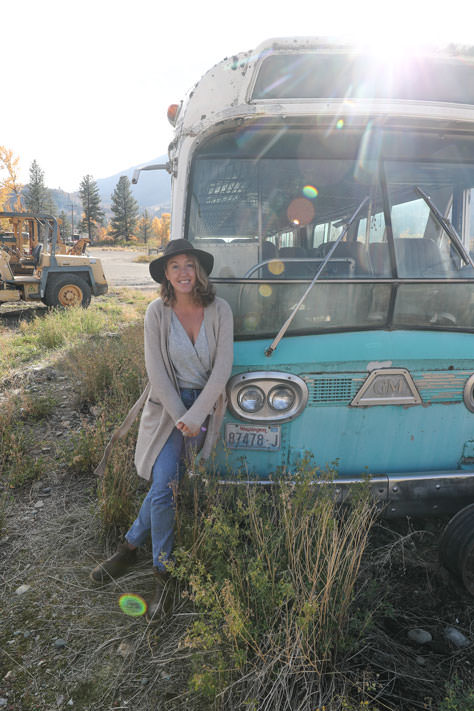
(163, 407)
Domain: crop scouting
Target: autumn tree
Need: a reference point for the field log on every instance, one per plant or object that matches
(103, 233)
(93, 213)
(161, 228)
(10, 187)
(145, 227)
(124, 210)
(37, 196)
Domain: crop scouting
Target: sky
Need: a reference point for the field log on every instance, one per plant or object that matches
(86, 85)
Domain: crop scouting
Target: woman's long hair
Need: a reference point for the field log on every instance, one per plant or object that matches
(203, 292)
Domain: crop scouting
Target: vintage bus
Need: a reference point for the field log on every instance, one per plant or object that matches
(334, 188)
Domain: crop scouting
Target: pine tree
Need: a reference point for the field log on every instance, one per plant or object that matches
(64, 226)
(37, 196)
(93, 213)
(145, 227)
(124, 209)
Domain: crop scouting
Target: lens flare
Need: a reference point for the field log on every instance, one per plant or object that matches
(300, 211)
(276, 267)
(132, 605)
(340, 124)
(250, 322)
(265, 290)
(310, 192)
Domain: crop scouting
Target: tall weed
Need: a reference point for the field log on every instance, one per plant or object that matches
(4, 504)
(275, 573)
(110, 375)
(17, 465)
(110, 371)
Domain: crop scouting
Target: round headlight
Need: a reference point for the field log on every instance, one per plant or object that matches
(469, 393)
(251, 399)
(281, 398)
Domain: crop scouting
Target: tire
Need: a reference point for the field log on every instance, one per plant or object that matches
(66, 291)
(456, 547)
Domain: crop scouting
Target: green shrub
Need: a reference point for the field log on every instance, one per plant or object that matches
(274, 572)
(457, 697)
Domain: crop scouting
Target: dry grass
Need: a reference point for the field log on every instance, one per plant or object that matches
(49, 332)
(108, 657)
(145, 258)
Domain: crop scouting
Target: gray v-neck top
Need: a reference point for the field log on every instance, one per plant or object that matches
(192, 363)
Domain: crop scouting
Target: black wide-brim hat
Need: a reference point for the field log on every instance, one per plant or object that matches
(172, 249)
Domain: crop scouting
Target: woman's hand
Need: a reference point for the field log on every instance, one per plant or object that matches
(185, 430)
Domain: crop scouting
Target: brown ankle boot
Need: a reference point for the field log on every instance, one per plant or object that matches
(160, 603)
(116, 565)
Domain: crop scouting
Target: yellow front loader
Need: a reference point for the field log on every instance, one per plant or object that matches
(37, 266)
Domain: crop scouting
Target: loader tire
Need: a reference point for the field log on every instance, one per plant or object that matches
(68, 290)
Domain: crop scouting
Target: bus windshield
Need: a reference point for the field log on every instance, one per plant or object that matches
(271, 204)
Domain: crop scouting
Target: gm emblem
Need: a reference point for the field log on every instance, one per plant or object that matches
(391, 386)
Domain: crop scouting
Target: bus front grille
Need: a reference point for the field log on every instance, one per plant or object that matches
(436, 386)
(327, 390)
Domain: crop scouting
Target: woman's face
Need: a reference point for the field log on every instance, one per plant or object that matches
(181, 273)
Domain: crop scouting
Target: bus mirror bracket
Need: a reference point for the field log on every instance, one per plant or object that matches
(155, 166)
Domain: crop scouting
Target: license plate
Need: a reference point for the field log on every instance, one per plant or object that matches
(263, 437)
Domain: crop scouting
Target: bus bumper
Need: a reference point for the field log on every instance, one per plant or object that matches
(397, 495)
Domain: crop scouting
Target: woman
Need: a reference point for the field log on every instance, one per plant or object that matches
(188, 358)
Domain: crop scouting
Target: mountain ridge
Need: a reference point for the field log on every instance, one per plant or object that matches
(152, 192)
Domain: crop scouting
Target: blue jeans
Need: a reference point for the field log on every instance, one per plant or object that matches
(157, 513)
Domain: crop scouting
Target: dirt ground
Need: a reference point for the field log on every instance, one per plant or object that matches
(121, 269)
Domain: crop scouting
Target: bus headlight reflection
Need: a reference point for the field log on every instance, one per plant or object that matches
(281, 398)
(251, 399)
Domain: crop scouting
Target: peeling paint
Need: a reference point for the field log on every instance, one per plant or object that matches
(375, 364)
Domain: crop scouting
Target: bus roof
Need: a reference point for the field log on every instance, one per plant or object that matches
(302, 76)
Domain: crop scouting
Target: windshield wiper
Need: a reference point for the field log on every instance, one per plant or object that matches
(326, 259)
(447, 226)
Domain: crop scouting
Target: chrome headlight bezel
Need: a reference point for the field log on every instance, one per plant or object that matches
(267, 382)
(469, 393)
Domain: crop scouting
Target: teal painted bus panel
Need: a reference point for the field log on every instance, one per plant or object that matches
(358, 349)
(381, 439)
(384, 439)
